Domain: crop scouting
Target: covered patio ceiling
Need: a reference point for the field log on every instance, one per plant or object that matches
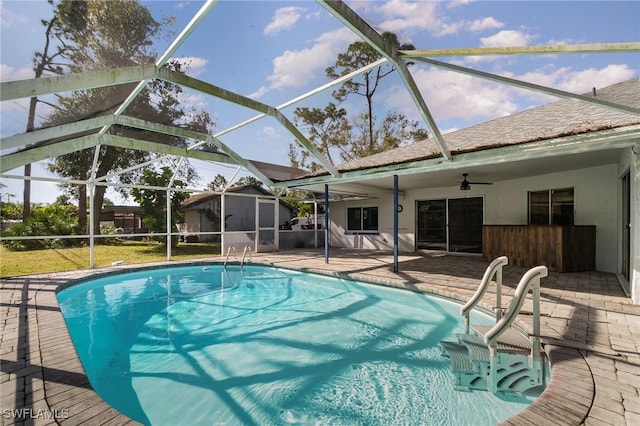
(445, 169)
(451, 176)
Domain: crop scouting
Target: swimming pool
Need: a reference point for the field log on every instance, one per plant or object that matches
(261, 345)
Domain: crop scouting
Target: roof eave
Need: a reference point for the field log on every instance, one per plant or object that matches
(571, 144)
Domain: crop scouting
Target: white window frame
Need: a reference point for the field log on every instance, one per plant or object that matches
(363, 231)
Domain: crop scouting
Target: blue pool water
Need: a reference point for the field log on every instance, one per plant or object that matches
(193, 345)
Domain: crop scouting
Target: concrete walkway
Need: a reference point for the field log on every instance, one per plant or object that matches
(592, 328)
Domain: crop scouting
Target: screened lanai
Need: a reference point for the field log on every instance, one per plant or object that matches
(238, 146)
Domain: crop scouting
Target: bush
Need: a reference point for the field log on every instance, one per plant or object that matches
(55, 219)
(113, 234)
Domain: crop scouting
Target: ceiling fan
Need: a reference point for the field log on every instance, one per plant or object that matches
(465, 185)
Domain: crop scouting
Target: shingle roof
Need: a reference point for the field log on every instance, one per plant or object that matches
(276, 172)
(204, 196)
(561, 118)
(198, 198)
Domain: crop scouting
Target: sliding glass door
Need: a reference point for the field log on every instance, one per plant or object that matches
(432, 225)
(465, 225)
(453, 225)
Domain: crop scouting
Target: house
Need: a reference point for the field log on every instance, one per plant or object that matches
(557, 184)
(203, 211)
(123, 219)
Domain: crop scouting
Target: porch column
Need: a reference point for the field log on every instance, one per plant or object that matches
(169, 228)
(326, 223)
(315, 222)
(92, 217)
(222, 224)
(276, 224)
(395, 223)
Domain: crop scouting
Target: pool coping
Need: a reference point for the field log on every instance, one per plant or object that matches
(49, 379)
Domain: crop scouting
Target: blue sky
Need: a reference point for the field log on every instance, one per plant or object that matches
(274, 51)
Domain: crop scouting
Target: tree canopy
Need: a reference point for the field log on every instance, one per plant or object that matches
(219, 182)
(154, 201)
(334, 133)
(109, 34)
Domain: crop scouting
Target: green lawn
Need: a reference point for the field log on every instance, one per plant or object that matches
(14, 263)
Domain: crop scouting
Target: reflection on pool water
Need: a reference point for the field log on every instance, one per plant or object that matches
(261, 345)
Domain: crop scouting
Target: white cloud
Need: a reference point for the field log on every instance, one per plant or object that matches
(9, 18)
(284, 19)
(189, 101)
(193, 65)
(269, 133)
(9, 73)
(402, 15)
(14, 112)
(192, 100)
(455, 3)
(452, 96)
(260, 92)
(41, 192)
(576, 81)
(296, 68)
(484, 24)
(506, 38)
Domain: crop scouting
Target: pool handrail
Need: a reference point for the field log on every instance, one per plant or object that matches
(244, 253)
(227, 257)
(494, 269)
(530, 280)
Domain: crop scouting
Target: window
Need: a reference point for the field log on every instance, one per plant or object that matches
(551, 207)
(363, 219)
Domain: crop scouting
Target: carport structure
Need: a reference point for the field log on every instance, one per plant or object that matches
(92, 133)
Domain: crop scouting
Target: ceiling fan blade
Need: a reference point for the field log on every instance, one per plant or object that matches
(466, 185)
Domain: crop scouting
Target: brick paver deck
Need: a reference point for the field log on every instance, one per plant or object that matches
(593, 332)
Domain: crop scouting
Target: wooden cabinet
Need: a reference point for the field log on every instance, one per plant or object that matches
(561, 248)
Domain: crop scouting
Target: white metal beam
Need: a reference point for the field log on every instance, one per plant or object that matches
(63, 83)
(529, 86)
(140, 145)
(358, 25)
(33, 155)
(208, 88)
(527, 50)
(415, 94)
(202, 137)
(130, 169)
(162, 60)
(84, 182)
(44, 179)
(125, 120)
(61, 131)
(315, 91)
(191, 26)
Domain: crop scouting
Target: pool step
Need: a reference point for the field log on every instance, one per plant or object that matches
(499, 356)
(471, 363)
(511, 341)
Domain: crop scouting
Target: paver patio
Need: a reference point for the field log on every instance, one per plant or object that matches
(594, 328)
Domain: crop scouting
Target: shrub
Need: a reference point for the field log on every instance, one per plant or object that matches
(54, 219)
